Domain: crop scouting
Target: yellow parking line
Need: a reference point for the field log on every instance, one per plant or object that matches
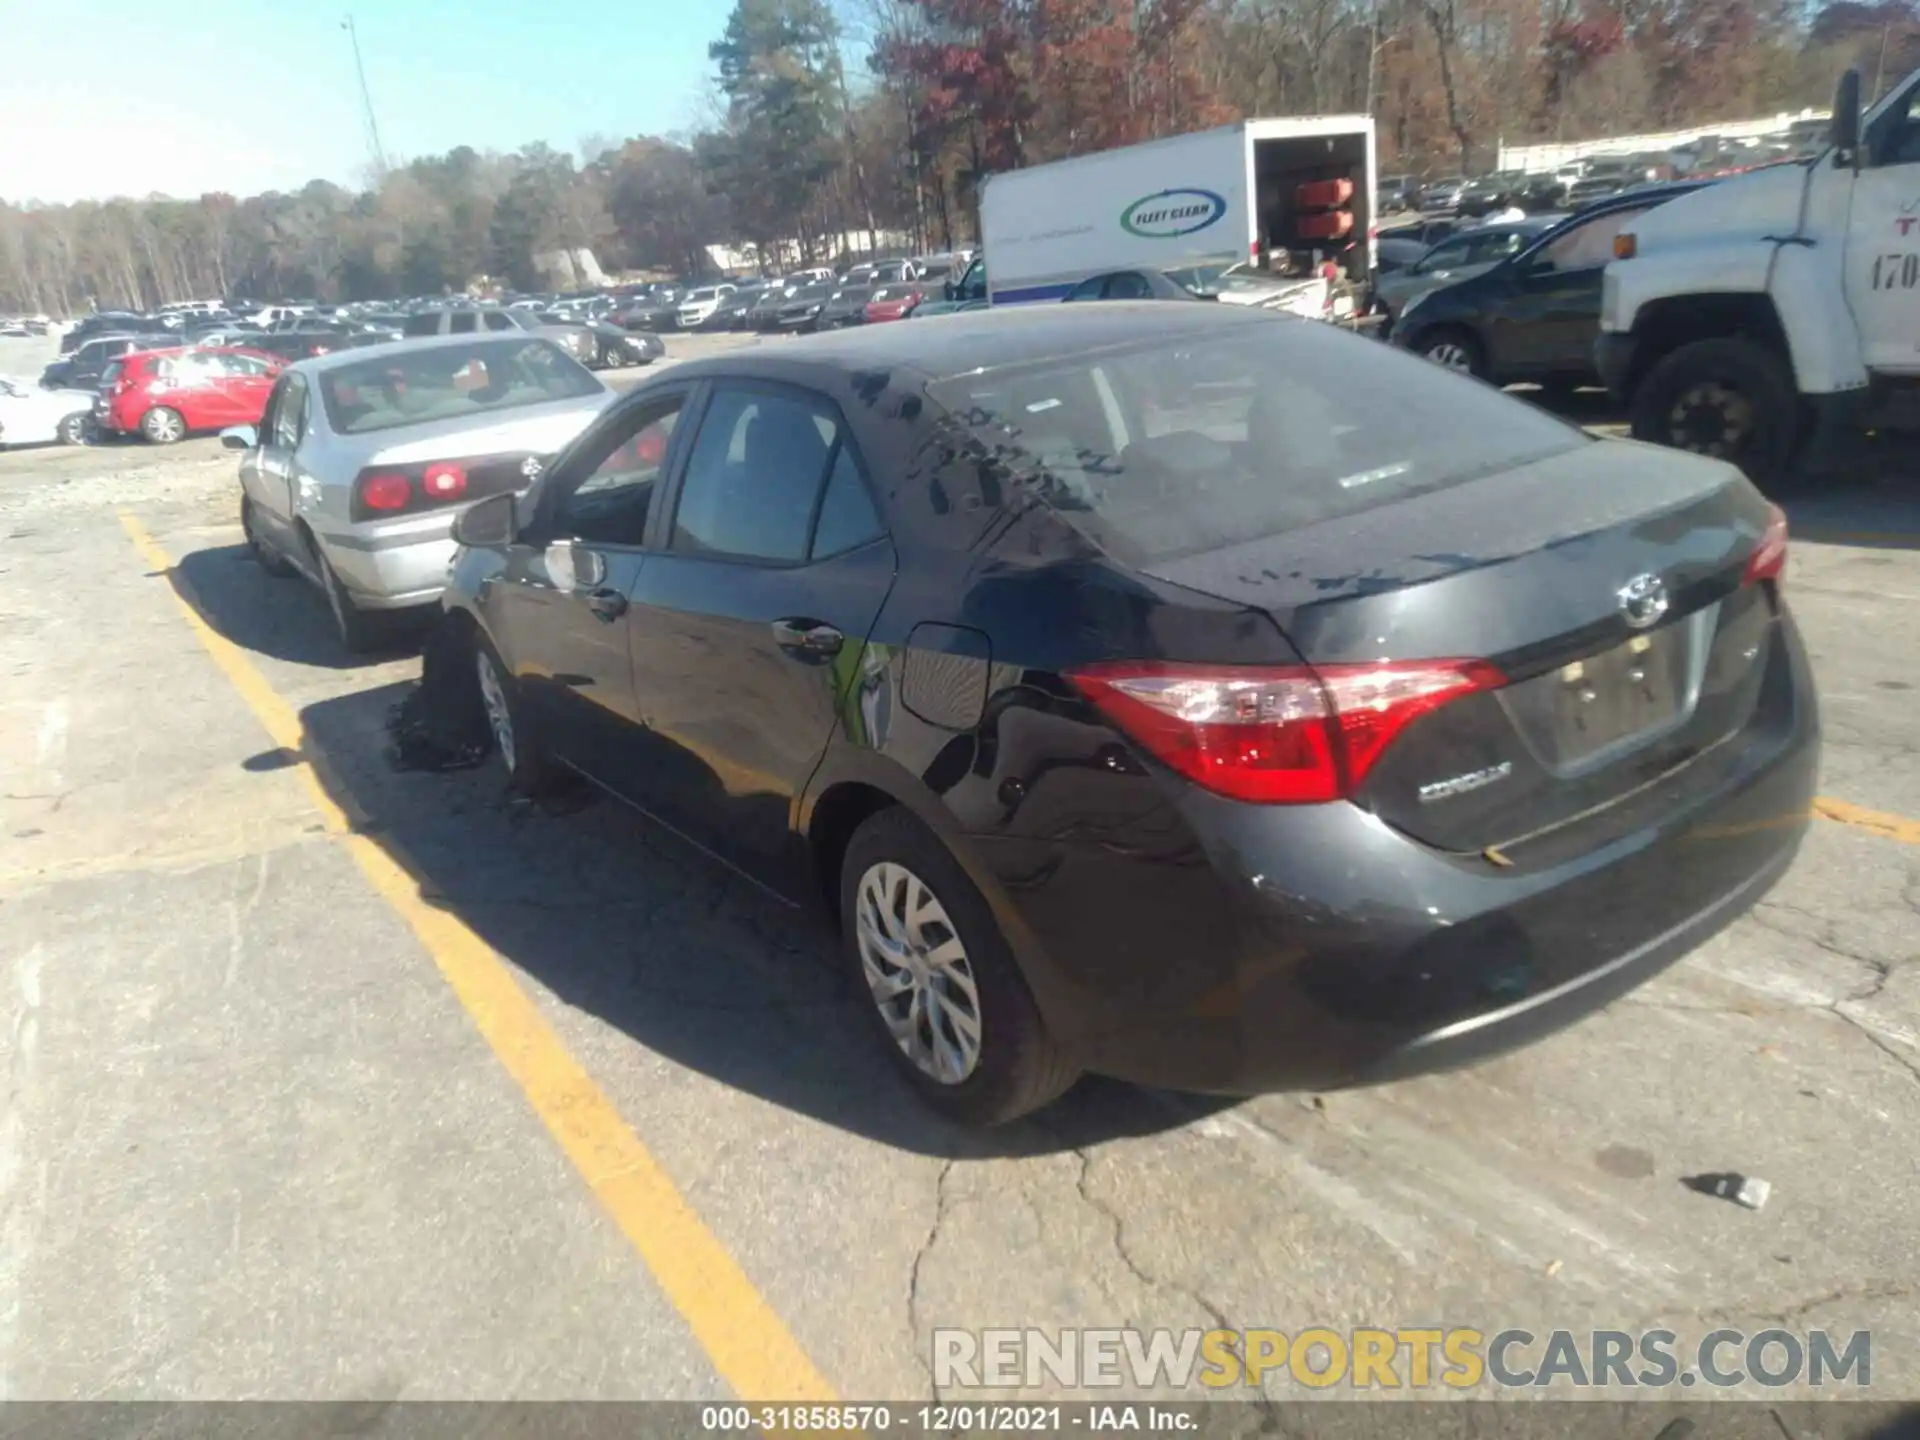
(1894, 827)
(747, 1342)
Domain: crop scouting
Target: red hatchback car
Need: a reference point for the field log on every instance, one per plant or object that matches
(166, 394)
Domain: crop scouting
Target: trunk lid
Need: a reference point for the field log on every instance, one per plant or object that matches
(1605, 583)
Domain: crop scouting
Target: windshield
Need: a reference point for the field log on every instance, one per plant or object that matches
(418, 386)
(813, 292)
(1177, 447)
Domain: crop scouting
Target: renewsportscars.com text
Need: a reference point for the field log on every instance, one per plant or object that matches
(1406, 1358)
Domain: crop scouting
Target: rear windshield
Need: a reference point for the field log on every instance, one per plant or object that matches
(418, 386)
(1192, 443)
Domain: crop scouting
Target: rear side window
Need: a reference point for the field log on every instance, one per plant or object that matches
(1193, 443)
(421, 325)
(757, 467)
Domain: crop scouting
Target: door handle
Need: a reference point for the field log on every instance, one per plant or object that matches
(608, 605)
(807, 637)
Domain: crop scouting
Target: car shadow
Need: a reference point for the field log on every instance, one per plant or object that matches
(285, 618)
(622, 920)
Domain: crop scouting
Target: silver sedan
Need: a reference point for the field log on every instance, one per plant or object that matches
(364, 457)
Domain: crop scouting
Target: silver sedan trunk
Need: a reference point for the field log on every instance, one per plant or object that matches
(364, 458)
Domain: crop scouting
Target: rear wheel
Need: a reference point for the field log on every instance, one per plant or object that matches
(944, 993)
(268, 558)
(73, 429)
(1727, 398)
(1452, 348)
(359, 630)
(163, 426)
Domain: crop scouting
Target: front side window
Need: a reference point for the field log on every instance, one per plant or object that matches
(463, 322)
(1128, 285)
(610, 506)
(756, 468)
(1442, 256)
(500, 320)
(1588, 246)
(1088, 289)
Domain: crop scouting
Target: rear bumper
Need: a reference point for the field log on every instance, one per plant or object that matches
(1238, 949)
(395, 566)
(1613, 361)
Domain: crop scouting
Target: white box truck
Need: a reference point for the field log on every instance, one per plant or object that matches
(1773, 318)
(1285, 195)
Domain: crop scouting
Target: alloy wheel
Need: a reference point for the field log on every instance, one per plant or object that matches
(164, 427)
(493, 697)
(1451, 355)
(917, 970)
(73, 430)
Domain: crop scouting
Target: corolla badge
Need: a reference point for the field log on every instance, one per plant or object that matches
(1643, 600)
(1174, 212)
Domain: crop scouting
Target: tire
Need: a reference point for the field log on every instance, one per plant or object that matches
(73, 428)
(360, 631)
(1014, 1067)
(162, 426)
(1730, 399)
(1453, 348)
(510, 728)
(264, 555)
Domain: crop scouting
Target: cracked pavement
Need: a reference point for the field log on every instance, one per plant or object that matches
(251, 1146)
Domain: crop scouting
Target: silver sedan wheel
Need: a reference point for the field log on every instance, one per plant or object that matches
(493, 696)
(1451, 355)
(918, 972)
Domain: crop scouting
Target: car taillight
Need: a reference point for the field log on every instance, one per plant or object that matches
(385, 490)
(1275, 735)
(444, 482)
(1769, 558)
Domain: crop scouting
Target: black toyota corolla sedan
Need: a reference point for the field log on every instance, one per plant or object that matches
(1188, 694)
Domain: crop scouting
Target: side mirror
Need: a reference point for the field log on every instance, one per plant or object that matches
(1844, 130)
(239, 437)
(487, 524)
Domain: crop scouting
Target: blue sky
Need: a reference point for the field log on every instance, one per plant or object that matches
(126, 97)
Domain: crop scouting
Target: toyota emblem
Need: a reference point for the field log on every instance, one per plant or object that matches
(531, 467)
(1643, 600)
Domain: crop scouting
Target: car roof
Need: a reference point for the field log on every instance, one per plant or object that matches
(943, 346)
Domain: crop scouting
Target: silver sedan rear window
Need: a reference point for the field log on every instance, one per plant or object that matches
(426, 384)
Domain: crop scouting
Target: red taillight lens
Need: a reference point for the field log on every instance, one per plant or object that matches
(1275, 735)
(385, 491)
(444, 482)
(1769, 558)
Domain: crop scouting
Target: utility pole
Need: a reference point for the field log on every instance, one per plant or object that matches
(366, 99)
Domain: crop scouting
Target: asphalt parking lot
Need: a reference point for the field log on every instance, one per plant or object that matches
(331, 1081)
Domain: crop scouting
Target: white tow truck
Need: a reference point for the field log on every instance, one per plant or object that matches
(1773, 319)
